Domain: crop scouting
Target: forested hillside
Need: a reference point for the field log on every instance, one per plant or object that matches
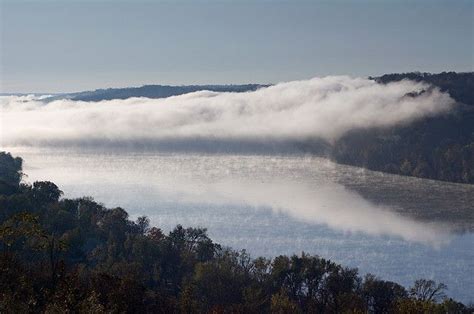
(440, 147)
(76, 256)
(152, 91)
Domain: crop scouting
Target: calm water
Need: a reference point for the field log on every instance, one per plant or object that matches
(396, 227)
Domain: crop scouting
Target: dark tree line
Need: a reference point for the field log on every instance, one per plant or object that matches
(62, 255)
(440, 147)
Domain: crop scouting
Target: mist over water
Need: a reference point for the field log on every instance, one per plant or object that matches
(317, 109)
(305, 188)
(141, 154)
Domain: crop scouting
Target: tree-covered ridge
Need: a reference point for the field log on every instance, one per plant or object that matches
(440, 148)
(152, 91)
(460, 86)
(76, 256)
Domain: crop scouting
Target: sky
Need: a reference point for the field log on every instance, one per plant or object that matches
(64, 46)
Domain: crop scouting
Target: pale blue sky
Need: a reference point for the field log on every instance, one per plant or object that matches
(57, 46)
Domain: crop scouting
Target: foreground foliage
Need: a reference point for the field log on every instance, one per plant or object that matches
(74, 255)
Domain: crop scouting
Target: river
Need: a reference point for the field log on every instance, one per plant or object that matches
(398, 228)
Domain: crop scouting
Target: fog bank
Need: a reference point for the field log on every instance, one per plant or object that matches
(317, 109)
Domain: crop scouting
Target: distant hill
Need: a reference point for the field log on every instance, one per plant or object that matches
(459, 85)
(440, 147)
(152, 91)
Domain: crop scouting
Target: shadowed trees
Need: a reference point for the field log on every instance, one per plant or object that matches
(440, 147)
(10, 173)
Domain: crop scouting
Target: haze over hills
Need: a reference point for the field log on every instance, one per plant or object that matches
(400, 135)
(460, 86)
(152, 91)
(439, 147)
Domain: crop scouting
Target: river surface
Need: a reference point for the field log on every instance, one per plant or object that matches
(398, 228)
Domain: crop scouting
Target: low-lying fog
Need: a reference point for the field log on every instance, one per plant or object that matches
(320, 108)
(397, 227)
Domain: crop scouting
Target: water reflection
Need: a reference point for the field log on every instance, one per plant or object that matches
(321, 203)
(307, 189)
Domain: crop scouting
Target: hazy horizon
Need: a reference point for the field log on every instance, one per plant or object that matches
(62, 46)
(6, 93)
